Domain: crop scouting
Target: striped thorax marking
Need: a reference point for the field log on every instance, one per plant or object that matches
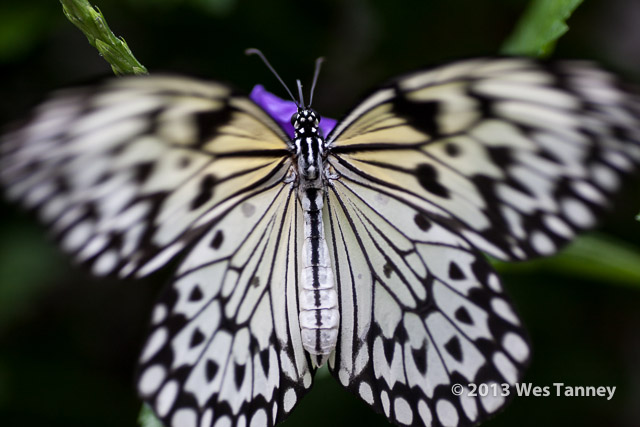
(319, 315)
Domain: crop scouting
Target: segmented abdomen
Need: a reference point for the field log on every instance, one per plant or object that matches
(319, 315)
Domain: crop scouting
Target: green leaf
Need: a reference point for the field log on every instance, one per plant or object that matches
(540, 27)
(93, 24)
(593, 257)
(147, 418)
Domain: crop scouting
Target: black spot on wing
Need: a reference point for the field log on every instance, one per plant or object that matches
(211, 369)
(421, 115)
(142, 172)
(500, 155)
(463, 316)
(428, 177)
(387, 270)
(197, 338)
(196, 294)
(217, 240)
(453, 150)
(419, 356)
(388, 347)
(455, 272)
(454, 349)
(183, 162)
(422, 222)
(238, 375)
(264, 359)
(205, 193)
(208, 122)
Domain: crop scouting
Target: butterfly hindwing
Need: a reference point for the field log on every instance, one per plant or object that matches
(129, 172)
(518, 156)
(226, 344)
(421, 310)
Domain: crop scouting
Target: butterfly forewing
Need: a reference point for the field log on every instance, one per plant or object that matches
(519, 155)
(129, 172)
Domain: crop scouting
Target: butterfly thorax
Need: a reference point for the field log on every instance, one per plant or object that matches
(309, 145)
(318, 299)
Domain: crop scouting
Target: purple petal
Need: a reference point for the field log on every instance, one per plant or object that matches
(327, 125)
(282, 110)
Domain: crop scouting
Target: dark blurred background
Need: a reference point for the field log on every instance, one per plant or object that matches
(69, 342)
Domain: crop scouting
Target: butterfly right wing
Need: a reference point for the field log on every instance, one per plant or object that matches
(128, 172)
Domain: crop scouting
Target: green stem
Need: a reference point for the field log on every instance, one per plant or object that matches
(93, 24)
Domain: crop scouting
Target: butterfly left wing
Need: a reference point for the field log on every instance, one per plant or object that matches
(421, 310)
(516, 155)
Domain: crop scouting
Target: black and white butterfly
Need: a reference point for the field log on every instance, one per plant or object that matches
(364, 249)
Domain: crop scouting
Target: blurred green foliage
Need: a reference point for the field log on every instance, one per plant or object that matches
(21, 27)
(540, 27)
(18, 246)
(591, 257)
(68, 342)
(147, 418)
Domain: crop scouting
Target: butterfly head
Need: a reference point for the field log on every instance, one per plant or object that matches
(306, 122)
(308, 142)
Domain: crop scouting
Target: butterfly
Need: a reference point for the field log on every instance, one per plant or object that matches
(363, 249)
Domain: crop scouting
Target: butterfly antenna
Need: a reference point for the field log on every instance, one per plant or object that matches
(253, 51)
(316, 72)
(299, 83)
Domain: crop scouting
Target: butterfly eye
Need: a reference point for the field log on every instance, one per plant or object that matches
(315, 117)
(294, 118)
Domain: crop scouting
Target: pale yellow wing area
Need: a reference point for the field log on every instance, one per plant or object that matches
(129, 172)
(515, 155)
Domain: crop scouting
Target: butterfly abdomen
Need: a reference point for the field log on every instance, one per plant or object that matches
(319, 315)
